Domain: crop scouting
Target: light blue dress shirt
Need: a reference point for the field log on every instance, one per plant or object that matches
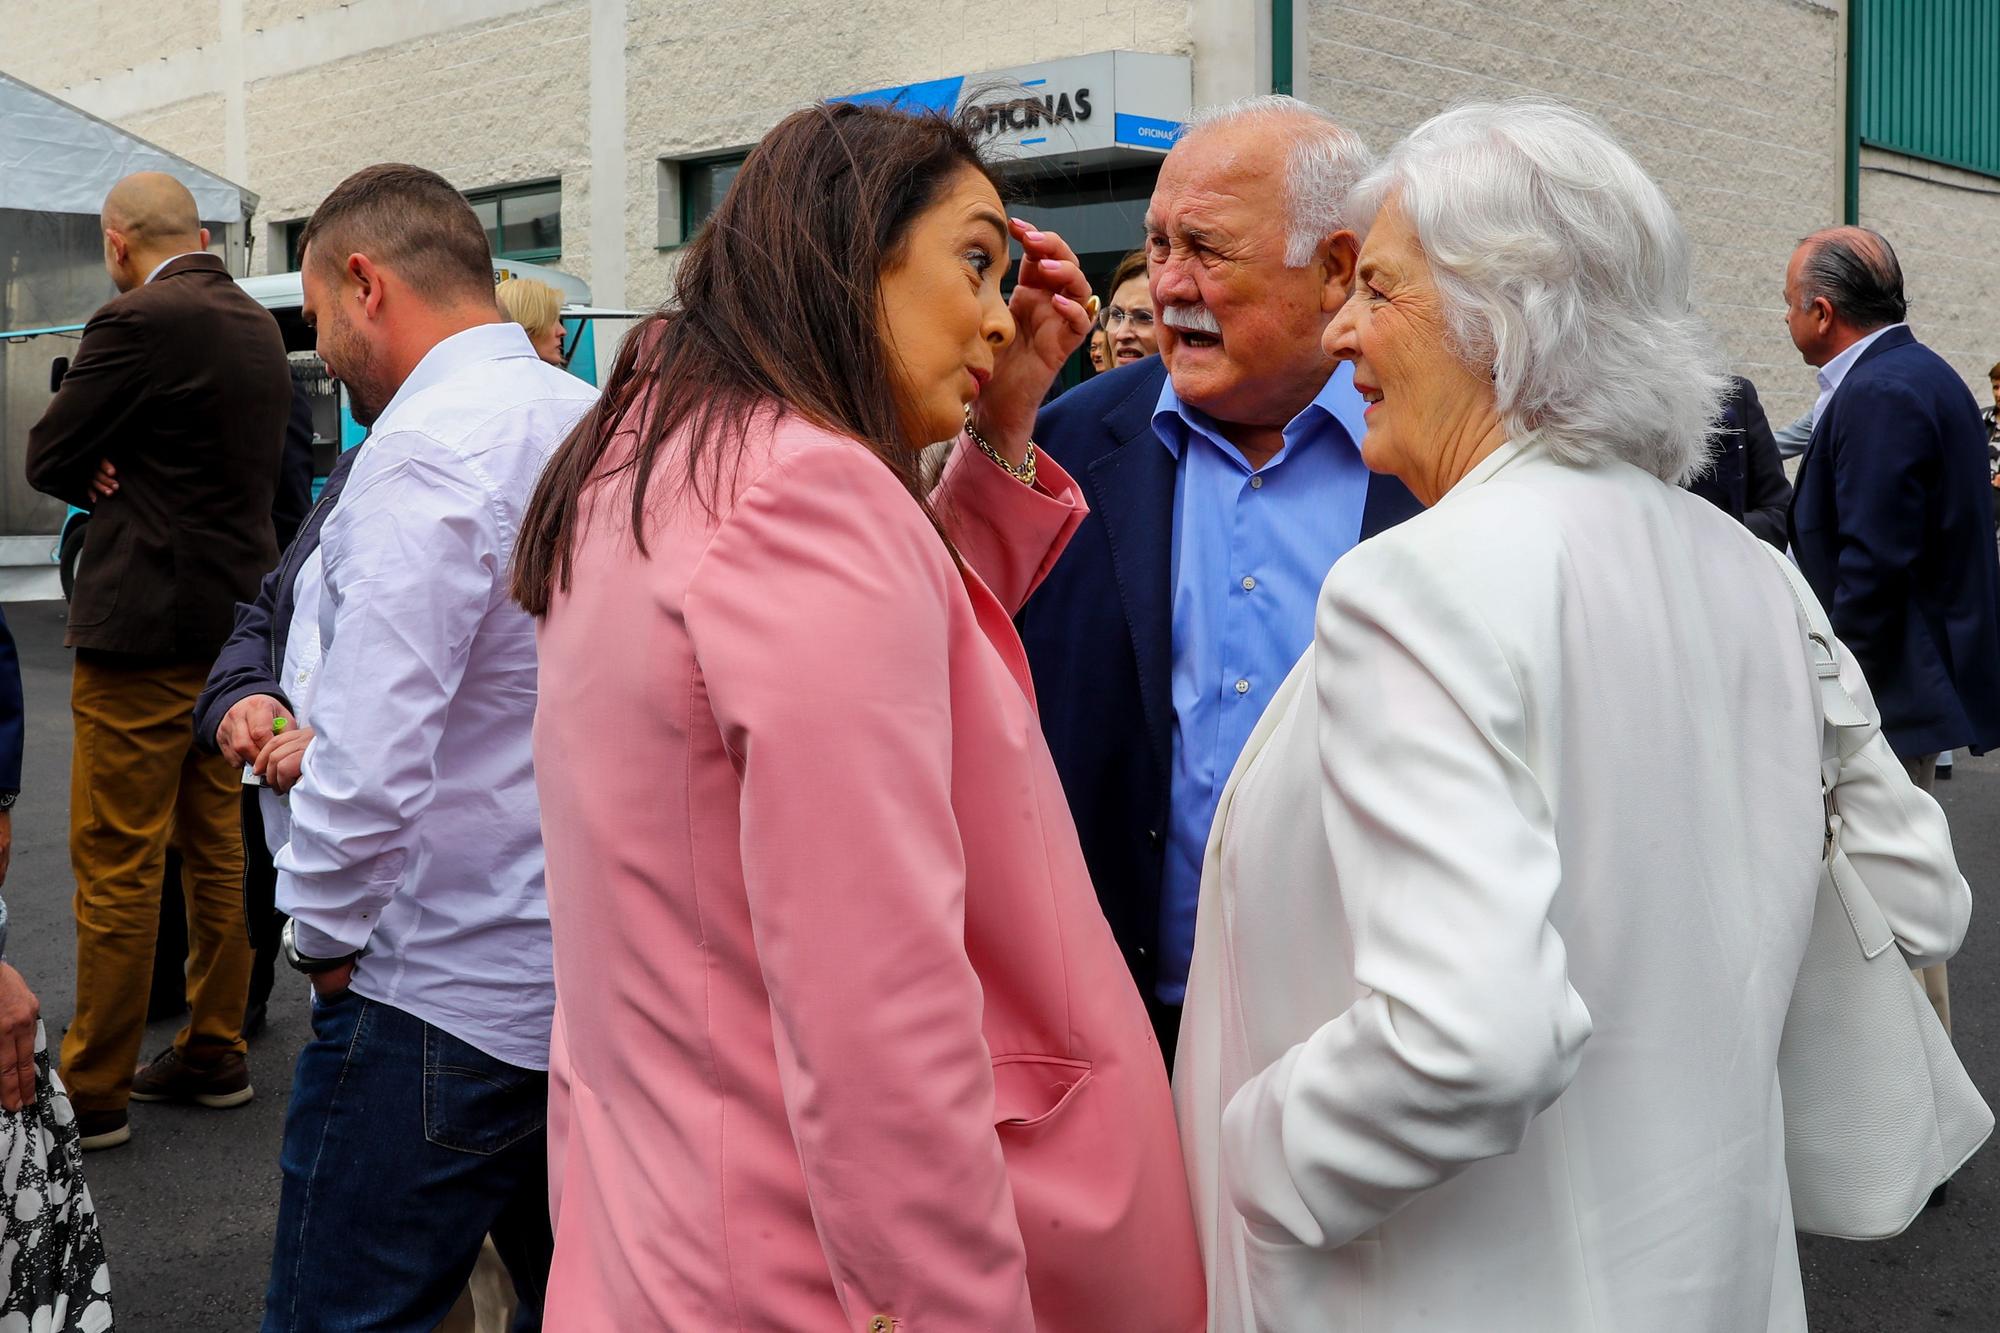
(1251, 548)
(415, 832)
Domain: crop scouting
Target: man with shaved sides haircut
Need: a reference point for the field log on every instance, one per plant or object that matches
(168, 428)
(1890, 518)
(409, 852)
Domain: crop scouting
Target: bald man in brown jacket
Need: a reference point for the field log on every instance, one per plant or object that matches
(168, 428)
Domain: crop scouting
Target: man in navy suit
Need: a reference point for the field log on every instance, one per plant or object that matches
(1891, 519)
(1224, 478)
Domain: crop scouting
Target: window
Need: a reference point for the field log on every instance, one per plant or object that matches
(703, 183)
(292, 232)
(522, 221)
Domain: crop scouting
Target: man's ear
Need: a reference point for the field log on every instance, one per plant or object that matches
(114, 241)
(367, 277)
(1337, 270)
(204, 238)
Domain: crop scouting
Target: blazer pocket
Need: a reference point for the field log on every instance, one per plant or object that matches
(100, 571)
(1029, 1091)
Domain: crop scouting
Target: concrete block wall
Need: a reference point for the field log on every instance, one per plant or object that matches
(705, 78)
(1734, 106)
(1945, 225)
(496, 102)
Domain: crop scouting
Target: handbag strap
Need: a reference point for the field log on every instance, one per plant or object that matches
(1842, 722)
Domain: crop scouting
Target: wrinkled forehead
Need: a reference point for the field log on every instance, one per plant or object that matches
(1232, 175)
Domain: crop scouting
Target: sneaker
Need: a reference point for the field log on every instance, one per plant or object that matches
(169, 1077)
(102, 1129)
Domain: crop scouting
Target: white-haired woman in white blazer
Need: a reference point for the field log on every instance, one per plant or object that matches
(1506, 898)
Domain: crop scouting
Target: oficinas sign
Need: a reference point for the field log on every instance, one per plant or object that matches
(1027, 113)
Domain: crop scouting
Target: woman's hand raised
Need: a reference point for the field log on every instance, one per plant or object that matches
(1050, 323)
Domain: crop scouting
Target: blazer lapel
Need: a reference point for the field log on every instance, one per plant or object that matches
(1132, 493)
(1888, 342)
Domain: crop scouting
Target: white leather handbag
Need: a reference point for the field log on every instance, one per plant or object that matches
(1878, 1109)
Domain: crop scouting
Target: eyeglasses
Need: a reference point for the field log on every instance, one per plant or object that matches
(1140, 320)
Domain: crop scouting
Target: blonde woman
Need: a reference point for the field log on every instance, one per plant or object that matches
(536, 307)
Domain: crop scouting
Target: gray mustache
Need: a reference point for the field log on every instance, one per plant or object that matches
(1191, 319)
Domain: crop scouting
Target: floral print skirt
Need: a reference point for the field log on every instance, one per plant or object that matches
(53, 1277)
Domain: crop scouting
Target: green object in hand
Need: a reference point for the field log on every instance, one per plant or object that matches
(277, 725)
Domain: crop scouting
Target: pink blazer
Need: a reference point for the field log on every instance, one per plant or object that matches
(841, 1037)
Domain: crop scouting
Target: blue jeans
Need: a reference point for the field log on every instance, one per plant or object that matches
(403, 1148)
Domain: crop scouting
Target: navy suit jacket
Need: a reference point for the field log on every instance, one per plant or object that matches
(1099, 635)
(249, 664)
(1892, 522)
(13, 716)
(1747, 478)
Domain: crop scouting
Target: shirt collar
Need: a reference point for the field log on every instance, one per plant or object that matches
(1834, 371)
(164, 262)
(467, 347)
(1336, 401)
(1511, 452)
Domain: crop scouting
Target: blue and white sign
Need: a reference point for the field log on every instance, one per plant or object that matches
(1083, 110)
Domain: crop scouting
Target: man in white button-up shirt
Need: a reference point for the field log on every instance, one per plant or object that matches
(413, 870)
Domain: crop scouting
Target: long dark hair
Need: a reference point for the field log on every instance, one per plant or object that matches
(776, 305)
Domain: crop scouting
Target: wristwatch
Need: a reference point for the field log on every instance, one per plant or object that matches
(288, 945)
(7, 799)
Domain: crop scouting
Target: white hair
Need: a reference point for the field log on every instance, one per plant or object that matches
(1563, 269)
(1325, 161)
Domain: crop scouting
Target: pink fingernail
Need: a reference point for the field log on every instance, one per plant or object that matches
(1034, 235)
(1051, 265)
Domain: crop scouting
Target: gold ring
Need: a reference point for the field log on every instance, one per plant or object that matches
(1092, 305)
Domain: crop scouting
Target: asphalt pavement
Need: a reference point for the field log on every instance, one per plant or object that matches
(189, 1205)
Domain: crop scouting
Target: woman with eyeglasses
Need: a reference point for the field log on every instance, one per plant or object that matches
(1128, 316)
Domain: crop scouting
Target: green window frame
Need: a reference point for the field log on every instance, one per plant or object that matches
(1927, 80)
(703, 183)
(522, 222)
(293, 230)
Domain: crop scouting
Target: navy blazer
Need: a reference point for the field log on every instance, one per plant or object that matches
(1892, 522)
(13, 716)
(248, 663)
(1099, 635)
(1746, 480)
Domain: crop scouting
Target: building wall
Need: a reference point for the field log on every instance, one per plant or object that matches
(495, 102)
(1945, 225)
(705, 78)
(1733, 105)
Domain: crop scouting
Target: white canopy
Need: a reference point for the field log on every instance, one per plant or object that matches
(55, 158)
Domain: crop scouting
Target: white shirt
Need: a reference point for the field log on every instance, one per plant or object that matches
(1500, 917)
(1834, 371)
(416, 833)
(170, 259)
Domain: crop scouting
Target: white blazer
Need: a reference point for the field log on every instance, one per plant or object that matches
(1499, 923)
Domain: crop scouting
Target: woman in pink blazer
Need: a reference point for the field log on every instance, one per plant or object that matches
(842, 1040)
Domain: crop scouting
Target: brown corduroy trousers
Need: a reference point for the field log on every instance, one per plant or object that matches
(137, 786)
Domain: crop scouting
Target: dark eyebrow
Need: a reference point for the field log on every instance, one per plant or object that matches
(993, 220)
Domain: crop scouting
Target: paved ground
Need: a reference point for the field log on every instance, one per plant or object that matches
(188, 1205)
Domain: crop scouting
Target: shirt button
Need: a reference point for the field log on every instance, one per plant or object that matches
(1256, 483)
(1248, 583)
(1243, 687)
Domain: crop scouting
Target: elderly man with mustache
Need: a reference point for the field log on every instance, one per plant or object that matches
(1224, 479)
